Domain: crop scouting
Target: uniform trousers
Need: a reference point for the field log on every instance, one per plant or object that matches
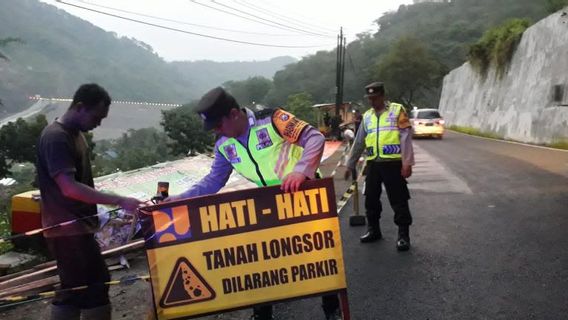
(389, 174)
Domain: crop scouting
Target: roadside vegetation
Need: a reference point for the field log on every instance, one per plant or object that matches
(497, 46)
(559, 144)
(475, 132)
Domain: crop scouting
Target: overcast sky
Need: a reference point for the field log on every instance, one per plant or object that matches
(280, 27)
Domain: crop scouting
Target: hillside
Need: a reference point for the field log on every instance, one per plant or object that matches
(60, 51)
(445, 29)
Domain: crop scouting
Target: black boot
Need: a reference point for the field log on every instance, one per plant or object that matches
(373, 234)
(403, 243)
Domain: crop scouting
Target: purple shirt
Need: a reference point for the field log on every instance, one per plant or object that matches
(311, 140)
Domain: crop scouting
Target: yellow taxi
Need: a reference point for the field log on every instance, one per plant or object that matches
(427, 123)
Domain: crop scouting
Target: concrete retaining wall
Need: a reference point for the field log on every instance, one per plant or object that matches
(519, 105)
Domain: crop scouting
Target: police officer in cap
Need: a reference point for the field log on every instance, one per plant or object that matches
(268, 147)
(385, 133)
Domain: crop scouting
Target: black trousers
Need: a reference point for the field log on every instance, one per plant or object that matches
(330, 303)
(387, 173)
(79, 263)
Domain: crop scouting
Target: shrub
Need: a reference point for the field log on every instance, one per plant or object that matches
(497, 46)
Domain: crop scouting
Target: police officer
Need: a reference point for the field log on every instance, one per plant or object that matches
(385, 134)
(269, 147)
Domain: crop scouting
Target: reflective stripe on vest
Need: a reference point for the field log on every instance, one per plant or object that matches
(268, 158)
(382, 134)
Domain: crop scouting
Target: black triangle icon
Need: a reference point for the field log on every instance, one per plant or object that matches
(185, 286)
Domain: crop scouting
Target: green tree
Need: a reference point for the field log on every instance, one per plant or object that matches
(301, 106)
(135, 149)
(185, 130)
(19, 140)
(407, 69)
(250, 91)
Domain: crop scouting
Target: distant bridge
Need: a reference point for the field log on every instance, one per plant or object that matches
(123, 115)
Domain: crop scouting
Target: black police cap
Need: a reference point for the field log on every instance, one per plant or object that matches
(374, 89)
(214, 105)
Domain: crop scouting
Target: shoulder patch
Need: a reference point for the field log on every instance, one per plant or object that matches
(289, 127)
(403, 121)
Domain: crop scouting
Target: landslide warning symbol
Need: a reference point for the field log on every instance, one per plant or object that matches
(185, 286)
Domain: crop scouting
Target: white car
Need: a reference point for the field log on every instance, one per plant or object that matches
(427, 123)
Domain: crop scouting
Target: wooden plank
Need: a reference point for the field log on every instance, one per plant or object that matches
(39, 285)
(23, 272)
(34, 275)
(46, 284)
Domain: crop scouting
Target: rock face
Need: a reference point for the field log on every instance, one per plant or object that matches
(529, 102)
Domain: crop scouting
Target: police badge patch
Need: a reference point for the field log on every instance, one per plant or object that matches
(231, 152)
(264, 140)
(392, 119)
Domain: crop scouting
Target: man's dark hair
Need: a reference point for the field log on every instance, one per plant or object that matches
(91, 94)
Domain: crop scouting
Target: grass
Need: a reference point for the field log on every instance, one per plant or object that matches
(24, 174)
(4, 232)
(476, 132)
(558, 144)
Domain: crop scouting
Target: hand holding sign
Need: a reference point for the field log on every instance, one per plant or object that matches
(292, 182)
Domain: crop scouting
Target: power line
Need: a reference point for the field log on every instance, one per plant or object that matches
(185, 31)
(283, 17)
(271, 23)
(300, 15)
(181, 22)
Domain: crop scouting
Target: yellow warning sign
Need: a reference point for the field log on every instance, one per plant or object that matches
(185, 286)
(243, 248)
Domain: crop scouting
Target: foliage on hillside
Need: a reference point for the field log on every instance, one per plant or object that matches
(184, 129)
(409, 69)
(251, 91)
(445, 29)
(555, 5)
(300, 105)
(135, 149)
(60, 51)
(18, 140)
(497, 46)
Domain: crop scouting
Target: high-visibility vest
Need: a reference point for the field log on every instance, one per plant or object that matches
(266, 160)
(382, 135)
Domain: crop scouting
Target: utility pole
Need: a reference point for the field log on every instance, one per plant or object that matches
(339, 74)
(340, 71)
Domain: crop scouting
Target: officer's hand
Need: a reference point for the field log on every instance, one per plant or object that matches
(292, 182)
(406, 171)
(129, 204)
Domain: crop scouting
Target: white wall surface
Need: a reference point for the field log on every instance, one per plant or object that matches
(519, 105)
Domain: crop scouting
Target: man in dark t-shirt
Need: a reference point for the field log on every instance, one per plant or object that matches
(67, 193)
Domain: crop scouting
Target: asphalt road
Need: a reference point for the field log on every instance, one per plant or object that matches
(489, 241)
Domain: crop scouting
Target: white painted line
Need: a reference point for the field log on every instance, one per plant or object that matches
(508, 141)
